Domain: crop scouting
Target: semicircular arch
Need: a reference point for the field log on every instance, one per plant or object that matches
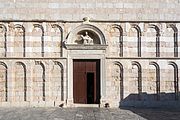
(75, 36)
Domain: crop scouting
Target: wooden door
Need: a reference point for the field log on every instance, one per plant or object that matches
(86, 81)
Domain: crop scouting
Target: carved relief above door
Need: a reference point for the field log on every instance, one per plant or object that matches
(86, 36)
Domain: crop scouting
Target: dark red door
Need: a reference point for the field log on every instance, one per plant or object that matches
(86, 81)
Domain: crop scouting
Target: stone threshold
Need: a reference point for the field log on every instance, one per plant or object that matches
(86, 105)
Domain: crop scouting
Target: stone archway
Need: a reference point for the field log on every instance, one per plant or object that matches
(95, 50)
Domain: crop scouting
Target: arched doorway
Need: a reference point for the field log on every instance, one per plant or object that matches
(86, 46)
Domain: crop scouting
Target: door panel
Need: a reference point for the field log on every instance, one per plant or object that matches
(80, 90)
(83, 72)
(78, 82)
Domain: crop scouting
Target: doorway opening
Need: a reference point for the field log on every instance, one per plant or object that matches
(90, 88)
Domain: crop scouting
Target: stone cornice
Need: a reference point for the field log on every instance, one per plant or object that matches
(80, 21)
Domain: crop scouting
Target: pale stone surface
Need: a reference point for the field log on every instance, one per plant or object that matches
(45, 69)
(96, 9)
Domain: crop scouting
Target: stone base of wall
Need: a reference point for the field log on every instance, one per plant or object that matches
(33, 104)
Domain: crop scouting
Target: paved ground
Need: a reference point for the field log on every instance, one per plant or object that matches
(87, 114)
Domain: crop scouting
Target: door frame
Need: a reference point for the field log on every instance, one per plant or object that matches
(75, 54)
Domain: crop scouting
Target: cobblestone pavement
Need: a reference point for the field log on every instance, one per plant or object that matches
(87, 114)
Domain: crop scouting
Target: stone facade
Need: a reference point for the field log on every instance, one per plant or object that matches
(124, 10)
(138, 53)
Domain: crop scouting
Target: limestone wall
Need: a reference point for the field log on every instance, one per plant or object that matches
(32, 82)
(34, 39)
(147, 85)
(141, 62)
(121, 10)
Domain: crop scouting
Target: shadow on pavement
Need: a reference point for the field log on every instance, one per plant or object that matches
(155, 113)
(165, 106)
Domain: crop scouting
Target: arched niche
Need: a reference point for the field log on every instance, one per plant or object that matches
(117, 75)
(39, 82)
(58, 81)
(3, 82)
(85, 37)
(20, 86)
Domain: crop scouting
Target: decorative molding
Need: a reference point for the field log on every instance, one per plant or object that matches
(85, 47)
